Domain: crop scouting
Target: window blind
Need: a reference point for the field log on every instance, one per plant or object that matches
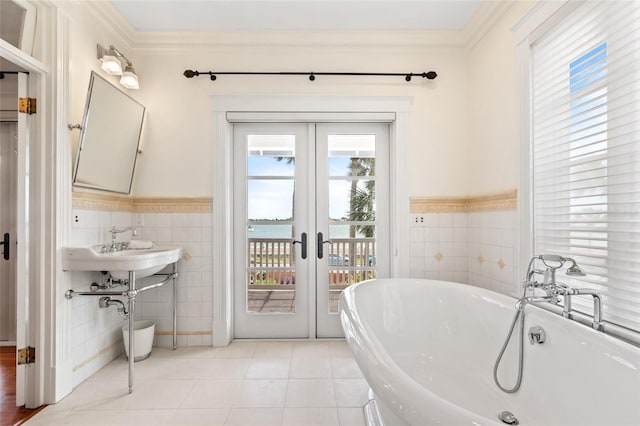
(586, 152)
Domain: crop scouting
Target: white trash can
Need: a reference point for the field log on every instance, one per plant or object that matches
(143, 332)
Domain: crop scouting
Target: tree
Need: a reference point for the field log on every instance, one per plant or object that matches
(361, 200)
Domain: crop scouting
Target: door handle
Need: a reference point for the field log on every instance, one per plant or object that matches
(6, 247)
(321, 243)
(303, 243)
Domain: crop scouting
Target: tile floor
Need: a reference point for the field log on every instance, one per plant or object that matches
(303, 383)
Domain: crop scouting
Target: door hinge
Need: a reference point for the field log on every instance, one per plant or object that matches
(27, 105)
(26, 355)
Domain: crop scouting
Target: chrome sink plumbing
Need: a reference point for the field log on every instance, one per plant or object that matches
(106, 301)
(552, 292)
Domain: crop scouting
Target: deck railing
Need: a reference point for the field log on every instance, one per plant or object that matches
(271, 262)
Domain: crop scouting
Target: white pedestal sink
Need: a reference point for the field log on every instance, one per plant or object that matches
(129, 264)
(144, 262)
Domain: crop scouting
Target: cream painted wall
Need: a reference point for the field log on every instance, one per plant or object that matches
(463, 133)
(86, 30)
(177, 148)
(94, 333)
(493, 108)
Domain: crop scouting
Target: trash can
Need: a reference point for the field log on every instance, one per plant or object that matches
(143, 332)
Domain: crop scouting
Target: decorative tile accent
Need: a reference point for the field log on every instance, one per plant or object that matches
(101, 202)
(172, 205)
(480, 259)
(507, 200)
(186, 256)
(127, 203)
(439, 256)
(438, 205)
(501, 264)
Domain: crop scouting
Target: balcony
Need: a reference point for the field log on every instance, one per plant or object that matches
(272, 278)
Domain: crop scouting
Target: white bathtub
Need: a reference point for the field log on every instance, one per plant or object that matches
(427, 349)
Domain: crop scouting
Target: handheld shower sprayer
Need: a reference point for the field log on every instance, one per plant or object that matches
(552, 289)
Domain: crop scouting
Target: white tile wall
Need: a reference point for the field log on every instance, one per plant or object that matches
(475, 248)
(96, 333)
(492, 250)
(444, 246)
(438, 246)
(193, 232)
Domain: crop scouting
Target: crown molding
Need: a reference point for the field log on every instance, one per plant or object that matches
(155, 41)
(485, 18)
(172, 41)
(107, 13)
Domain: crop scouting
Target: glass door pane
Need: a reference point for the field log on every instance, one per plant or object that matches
(352, 164)
(270, 218)
(352, 212)
(269, 221)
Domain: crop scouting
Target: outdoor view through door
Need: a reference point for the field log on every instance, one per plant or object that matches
(309, 223)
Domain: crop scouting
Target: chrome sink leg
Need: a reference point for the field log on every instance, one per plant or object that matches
(174, 303)
(132, 301)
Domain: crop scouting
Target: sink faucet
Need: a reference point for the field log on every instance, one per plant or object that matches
(114, 244)
(554, 289)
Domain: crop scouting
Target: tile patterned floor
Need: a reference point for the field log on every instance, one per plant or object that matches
(304, 383)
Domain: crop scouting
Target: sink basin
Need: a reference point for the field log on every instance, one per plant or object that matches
(144, 261)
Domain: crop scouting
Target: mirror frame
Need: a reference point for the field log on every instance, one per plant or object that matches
(82, 140)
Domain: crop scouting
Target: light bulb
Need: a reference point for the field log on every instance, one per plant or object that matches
(111, 65)
(129, 78)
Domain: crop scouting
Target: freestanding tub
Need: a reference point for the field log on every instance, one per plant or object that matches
(427, 349)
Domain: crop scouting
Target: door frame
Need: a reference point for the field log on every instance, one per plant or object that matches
(290, 324)
(49, 379)
(318, 108)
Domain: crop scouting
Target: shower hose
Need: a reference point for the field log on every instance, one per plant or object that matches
(518, 315)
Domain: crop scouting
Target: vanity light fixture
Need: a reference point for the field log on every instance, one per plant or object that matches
(112, 60)
(129, 78)
(111, 65)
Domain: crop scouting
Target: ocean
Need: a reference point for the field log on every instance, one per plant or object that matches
(284, 231)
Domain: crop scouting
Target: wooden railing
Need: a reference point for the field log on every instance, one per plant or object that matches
(271, 262)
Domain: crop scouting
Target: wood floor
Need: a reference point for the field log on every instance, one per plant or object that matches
(9, 413)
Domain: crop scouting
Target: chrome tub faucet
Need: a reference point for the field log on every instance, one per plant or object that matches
(554, 289)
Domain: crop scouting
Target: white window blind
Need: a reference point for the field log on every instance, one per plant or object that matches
(586, 152)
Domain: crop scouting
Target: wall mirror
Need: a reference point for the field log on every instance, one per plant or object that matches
(109, 138)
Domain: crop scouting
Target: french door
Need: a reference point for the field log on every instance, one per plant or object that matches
(310, 218)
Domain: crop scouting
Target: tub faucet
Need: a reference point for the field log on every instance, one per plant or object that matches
(568, 292)
(554, 289)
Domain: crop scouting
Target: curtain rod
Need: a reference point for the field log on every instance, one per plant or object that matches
(3, 73)
(430, 75)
